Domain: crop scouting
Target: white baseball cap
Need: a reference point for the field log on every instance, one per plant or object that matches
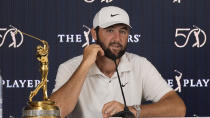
(109, 16)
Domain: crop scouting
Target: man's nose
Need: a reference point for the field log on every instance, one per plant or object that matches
(117, 36)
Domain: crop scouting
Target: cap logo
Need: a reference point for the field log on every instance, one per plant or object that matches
(112, 15)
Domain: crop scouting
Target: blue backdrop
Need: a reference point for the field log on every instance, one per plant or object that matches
(172, 34)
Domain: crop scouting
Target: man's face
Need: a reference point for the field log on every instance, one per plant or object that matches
(113, 40)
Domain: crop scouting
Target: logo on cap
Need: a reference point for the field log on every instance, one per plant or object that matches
(112, 15)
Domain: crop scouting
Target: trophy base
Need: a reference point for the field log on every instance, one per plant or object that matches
(41, 109)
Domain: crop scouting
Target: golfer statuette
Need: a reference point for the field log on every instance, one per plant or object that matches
(45, 108)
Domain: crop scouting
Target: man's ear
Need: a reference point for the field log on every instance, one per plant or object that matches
(93, 33)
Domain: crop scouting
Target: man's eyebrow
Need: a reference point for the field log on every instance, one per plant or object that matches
(109, 27)
(125, 27)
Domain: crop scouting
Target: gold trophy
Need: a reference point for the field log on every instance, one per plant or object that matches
(45, 108)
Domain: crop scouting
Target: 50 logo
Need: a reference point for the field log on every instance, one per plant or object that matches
(13, 32)
(196, 32)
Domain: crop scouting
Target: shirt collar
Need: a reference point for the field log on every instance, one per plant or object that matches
(124, 65)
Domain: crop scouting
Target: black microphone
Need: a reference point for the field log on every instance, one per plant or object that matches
(126, 113)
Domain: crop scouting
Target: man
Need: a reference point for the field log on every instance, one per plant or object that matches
(87, 85)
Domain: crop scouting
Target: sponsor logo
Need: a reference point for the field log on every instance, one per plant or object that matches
(123, 85)
(112, 15)
(176, 1)
(86, 35)
(199, 34)
(187, 82)
(81, 38)
(91, 1)
(13, 33)
(178, 78)
(107, 1)
(20, 83)
(11, 116)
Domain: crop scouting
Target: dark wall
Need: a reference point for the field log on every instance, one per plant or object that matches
(157, 26)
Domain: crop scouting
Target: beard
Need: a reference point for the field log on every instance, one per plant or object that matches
(108, 53)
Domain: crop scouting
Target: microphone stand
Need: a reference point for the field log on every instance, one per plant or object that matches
(126, 113)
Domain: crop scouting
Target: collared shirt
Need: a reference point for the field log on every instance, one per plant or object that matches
(140, 80)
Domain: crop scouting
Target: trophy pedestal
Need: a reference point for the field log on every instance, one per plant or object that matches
(41, 109)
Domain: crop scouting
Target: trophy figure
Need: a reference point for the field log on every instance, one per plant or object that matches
(42, 57)
(45, 108)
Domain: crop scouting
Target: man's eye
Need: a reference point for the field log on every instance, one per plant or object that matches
(109, 30)
(123, 32)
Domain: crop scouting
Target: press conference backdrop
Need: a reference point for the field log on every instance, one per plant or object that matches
(172, 34)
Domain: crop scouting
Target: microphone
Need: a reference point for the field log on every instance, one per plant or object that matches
(126, 113)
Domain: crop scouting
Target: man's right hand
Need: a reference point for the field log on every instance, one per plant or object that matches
(90, 53)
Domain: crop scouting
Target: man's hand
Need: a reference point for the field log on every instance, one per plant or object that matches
(112, 108)
(91, 52)
(170, 105)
